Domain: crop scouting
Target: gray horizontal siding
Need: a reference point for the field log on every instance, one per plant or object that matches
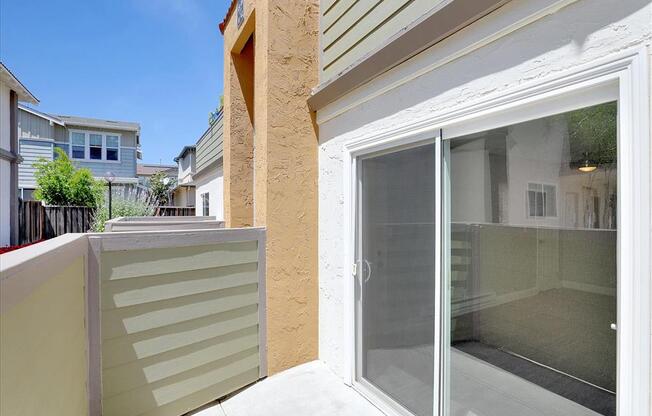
(350, 29)
(125, 169)
(180, 326)
(31, 151)
(34, 127)
(210, 146)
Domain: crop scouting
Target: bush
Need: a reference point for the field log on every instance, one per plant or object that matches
(121, 207)
(160, 187)
(60, 183)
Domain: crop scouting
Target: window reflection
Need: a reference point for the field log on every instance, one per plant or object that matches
(533, 267)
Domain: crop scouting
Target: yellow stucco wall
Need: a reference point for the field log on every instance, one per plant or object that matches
(285, 169)
(43, 349)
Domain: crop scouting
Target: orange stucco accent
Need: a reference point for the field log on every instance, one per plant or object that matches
(272, 174)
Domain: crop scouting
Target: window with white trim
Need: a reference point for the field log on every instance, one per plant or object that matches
(94, 146)
(78, 145)
(112, 147)
(541, 200)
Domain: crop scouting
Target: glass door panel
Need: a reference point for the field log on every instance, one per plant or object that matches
(532, 273)
(395, 282)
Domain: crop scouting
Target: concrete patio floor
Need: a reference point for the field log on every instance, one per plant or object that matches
(309, 389)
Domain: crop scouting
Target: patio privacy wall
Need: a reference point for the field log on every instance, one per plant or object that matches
(138, 323)
(179, 326)
(43, 344)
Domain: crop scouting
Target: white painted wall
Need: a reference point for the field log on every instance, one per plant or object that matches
(568, 33)
(5, 166)
(213, 183)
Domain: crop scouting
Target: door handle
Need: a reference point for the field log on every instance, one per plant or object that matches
(366, 262)
(614, 327)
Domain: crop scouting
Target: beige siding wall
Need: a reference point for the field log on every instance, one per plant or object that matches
(179, 326)
(210, 145)
(43, 348)
(350, 29)
(33, 127)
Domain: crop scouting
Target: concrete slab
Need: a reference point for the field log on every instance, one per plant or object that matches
(309, 389)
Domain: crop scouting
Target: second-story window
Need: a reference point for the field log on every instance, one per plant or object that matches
(112, 145)
(95, 146)
(78, 145)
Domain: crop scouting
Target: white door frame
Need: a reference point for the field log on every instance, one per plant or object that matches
(630, 71)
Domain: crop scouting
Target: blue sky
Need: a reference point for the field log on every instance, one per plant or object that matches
(156, 62)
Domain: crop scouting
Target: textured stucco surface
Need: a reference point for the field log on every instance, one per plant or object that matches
(238, 128)
(284, 170)
(581, 32)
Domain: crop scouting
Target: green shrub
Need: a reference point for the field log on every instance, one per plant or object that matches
(120, 207)
(160, 187)
(60, 183)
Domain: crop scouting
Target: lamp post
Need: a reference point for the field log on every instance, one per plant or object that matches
(110, 177)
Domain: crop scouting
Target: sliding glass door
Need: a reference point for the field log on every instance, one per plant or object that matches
(395, 280)
(528, 278)
(532, 267)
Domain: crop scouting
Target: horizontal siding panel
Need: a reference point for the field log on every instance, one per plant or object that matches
(125, 169)
(135, 263)
(209, 146)
(145, 344)
(179, 326)
(31, 151)
(153, 395)
(146, 289)
(333, 14)
(132, 319)
(207, 395)
(141, 372)
(363, 28)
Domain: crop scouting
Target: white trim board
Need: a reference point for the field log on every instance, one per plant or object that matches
(623, 76)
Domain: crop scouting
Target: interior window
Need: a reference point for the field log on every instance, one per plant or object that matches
(95, 146)
(78, 145)
(532, 267)
(112, 147)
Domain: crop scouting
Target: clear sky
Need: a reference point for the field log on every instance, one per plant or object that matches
(155, 62)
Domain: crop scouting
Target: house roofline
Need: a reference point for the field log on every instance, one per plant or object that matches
(42, 115)
(24, 94)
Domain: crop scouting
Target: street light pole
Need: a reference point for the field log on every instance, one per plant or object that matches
(110, 177)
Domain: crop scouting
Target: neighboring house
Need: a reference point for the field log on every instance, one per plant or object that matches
(12, 91)
(200, 167)
(144, 171)
(184, 193)
(483, 172)
(102, 146)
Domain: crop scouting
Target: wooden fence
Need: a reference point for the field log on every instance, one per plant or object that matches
(38, 222)
(174, 211)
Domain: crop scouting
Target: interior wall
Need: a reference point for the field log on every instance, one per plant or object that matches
(578, 32)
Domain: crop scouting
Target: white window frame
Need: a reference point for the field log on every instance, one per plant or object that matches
(87, 146)
(527, 201)
(628, 74)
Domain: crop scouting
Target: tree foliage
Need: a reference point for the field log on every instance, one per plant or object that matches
(60, 183)
(160, 187)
